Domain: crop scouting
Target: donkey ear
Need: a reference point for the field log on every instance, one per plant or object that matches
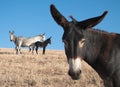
(92, 21)
(11, 31)
(43, 34)
(58, 17)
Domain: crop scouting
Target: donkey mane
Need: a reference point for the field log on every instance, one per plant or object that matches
(99, 33)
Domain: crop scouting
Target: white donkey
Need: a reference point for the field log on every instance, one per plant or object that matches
(21, 41)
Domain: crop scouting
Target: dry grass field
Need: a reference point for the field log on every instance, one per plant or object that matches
(49, 70)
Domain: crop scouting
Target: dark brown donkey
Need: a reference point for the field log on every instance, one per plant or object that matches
(99, 49)
(42, 45)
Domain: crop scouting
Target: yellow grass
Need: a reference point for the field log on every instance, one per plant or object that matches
(50, 70)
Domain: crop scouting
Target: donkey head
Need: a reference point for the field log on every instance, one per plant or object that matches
(73, 38)
(42, 37)
(12, 36)
(49, 40)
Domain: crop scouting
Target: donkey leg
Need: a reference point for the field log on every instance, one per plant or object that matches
(44, 50)
(19, 47)
(20, 51)
(37, 50)
(29, 49)
(16, 48)
(33, 49)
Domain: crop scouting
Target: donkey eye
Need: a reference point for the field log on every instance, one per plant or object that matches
(83, 40)
(81, 43)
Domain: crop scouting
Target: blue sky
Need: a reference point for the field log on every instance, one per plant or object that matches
(32, 17)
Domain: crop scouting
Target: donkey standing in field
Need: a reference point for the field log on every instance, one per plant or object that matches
(21, 41)
(100, 49)
(43, 45)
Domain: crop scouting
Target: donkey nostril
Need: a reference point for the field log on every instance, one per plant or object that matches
(69, 73)
(80, 71)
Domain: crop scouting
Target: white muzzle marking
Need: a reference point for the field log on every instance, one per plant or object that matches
(75, 64)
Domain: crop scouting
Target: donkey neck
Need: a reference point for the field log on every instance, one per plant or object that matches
(14, 39)
(46, 42)
(98, 45)
(94, 41)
